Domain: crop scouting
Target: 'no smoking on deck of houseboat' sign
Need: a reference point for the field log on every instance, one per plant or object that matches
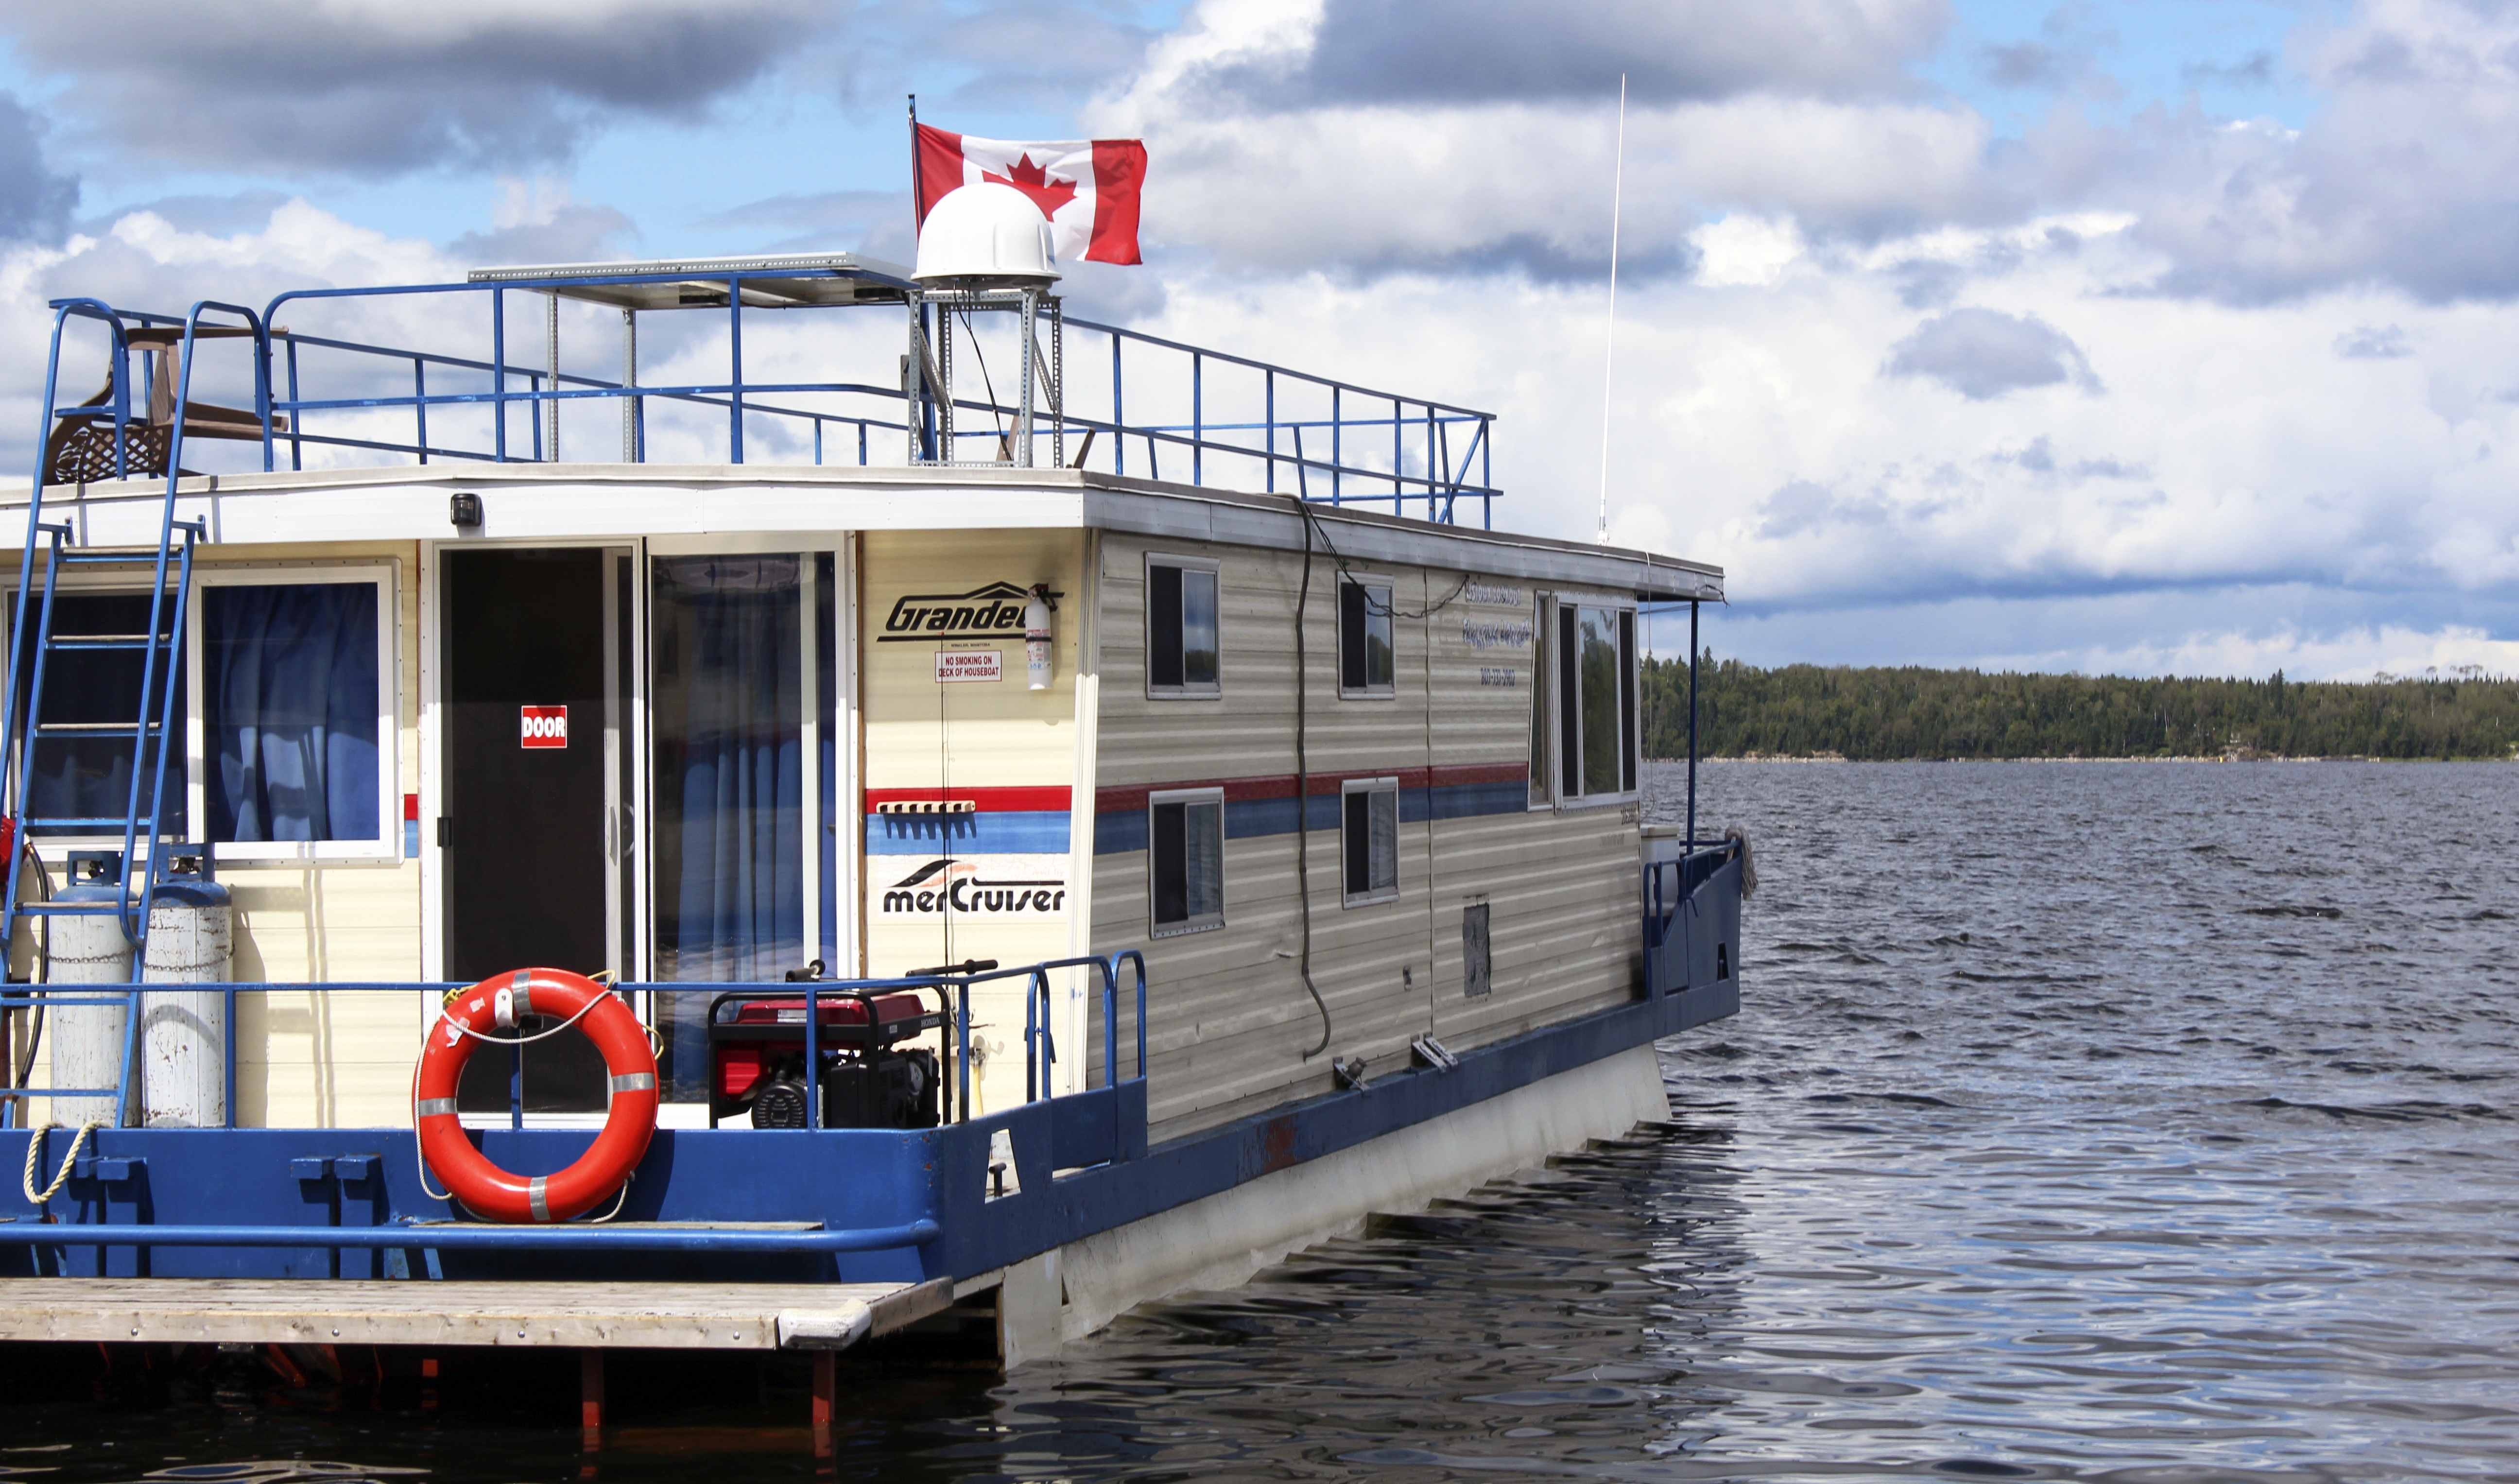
(953, 665)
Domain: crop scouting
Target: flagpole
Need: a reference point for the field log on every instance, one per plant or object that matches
(1608, 355)
(917, 195)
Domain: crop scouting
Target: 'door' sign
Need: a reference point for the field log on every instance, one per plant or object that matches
(544, 726)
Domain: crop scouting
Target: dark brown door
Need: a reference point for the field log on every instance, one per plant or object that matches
(524, 827)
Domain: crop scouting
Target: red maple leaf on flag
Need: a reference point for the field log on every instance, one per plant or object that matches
(1035, 182)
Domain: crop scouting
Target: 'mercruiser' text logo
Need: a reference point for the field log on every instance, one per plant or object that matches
(957, 885)
(996, 611)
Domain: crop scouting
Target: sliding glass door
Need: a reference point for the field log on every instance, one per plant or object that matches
(738, 786)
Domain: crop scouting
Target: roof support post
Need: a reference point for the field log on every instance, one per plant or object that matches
(551, 378)
(630, 406)
(734, 381)
(1693, 607)
(498, 374)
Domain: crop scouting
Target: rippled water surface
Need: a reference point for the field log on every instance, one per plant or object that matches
(2120, 1123)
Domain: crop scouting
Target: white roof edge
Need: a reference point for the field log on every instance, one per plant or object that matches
(1269, 520)
(774, 262)
(1106, 501)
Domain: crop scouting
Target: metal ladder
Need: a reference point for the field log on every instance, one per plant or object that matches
(149, 853)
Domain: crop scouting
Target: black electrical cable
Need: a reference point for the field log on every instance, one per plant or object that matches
(1312, 522)
(1304, 783)
(990, 387)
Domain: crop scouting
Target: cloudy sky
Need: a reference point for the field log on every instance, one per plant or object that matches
(2133, 335)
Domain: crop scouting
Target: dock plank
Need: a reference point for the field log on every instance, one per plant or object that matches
(670, 1316)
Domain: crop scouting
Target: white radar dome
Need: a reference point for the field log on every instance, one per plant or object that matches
(984, 235)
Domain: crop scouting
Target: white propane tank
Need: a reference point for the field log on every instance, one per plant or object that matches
(1037, 640)
(183, 1034)
(86, 953)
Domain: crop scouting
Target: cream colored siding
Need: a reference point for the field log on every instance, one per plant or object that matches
(322, 1058)
(1229, 1017)
(922, 734)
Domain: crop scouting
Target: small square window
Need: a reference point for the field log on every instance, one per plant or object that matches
(1185, 861)
(1365, 667)
(1182, 625)
(1369, 840)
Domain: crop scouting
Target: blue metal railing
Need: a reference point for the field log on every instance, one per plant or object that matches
(1039, 1050)
(1425, 475)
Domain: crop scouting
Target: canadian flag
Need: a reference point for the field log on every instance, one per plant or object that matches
(1088, 188)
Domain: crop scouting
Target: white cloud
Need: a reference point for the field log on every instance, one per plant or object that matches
(1285, 178)
(1745, 250)
(2355, 654)
(311, 87)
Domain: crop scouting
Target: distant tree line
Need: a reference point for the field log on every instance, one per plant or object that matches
(1914, 712)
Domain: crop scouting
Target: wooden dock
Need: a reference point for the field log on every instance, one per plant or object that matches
(586, 1316)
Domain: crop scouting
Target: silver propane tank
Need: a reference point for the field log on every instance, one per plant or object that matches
(183, 1034)
(90, 952)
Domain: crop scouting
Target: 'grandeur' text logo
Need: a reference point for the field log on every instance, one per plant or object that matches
(994, 611)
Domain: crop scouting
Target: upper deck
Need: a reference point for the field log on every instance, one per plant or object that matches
(755, 394)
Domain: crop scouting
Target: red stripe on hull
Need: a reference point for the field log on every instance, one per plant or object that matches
(1119, 798)
(1047, 798)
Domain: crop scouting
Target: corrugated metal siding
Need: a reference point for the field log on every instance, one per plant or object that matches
(1229, 1017)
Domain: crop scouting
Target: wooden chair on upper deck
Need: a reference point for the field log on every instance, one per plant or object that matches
(80, 450)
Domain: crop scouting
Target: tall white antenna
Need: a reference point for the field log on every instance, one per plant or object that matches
(1609, 356)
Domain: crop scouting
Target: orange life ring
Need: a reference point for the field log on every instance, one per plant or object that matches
(501, 1002)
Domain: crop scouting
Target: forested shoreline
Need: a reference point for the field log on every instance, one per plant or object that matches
(1876, 715)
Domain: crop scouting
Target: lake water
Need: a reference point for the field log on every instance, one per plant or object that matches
(2126, 1122)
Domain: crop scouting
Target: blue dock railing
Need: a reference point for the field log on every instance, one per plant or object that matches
(1218, 419)
(1040, 1049)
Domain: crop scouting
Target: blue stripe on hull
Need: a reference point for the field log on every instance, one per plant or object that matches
(1121, 831)
(1004, 832)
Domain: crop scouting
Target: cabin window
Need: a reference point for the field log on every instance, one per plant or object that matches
(81, 770)
(1365, 667)
(294, 717)
(1185, 861)
(1369, 839)
(1181, 627)
(284, 710)
(1589, 683)
(1543, 672)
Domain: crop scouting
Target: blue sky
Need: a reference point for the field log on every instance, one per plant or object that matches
(2146, 335)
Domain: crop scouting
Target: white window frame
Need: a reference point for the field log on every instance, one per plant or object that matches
(1205, 922)
(1563, 735)
(1542, 778)
(389, 846)
(1376, 589)
(1188, 690)
(1371, 895)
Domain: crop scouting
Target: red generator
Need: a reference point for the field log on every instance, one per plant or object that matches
(866, 1081)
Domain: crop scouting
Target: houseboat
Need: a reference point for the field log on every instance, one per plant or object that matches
(753, 803)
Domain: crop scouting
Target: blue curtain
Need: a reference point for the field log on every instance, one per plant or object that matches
(729, 745)
(288, 711)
